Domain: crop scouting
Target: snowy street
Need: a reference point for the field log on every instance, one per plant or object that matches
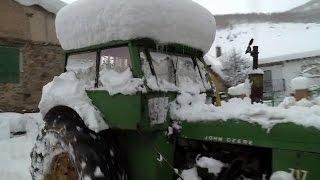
(15, 149)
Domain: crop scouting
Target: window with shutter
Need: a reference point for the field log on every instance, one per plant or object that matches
(9, 64)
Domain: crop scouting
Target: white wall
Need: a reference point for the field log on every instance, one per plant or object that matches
(293, 68)
(276, 71)
(290, 70)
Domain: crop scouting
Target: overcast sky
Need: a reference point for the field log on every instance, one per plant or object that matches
(245, 6)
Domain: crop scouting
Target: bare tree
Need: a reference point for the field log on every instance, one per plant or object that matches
(235, 67)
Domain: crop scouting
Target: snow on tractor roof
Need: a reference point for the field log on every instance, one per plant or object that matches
(86, 23)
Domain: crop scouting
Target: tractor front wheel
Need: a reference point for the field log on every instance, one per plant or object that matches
(67, 150)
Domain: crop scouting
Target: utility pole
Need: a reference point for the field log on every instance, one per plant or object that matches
(256, 75)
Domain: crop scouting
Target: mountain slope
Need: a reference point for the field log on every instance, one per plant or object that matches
(306, 13)
(313, 5)
(273, 39)
(290, 32)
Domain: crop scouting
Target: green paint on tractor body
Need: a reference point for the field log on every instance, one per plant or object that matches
(285, 135)
(120, 112)
(152, 154)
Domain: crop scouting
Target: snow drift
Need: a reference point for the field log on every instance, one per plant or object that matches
(89, 22)
(193, 108)
(67, 90)
(15, 150)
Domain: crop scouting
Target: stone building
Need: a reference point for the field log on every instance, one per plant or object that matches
(30, 54)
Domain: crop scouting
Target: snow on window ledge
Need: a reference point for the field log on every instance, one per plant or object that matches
(120, 83)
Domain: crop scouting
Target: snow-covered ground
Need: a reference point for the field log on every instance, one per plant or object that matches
(15, 149)
(273, 39)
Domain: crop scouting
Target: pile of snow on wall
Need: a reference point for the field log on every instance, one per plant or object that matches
(300, 83)
(241, 89)
(90, 22)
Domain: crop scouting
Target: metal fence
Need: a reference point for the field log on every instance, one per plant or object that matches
(274, 91)
(274, 85)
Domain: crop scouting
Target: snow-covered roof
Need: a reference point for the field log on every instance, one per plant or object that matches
(90, 22)
(216, 65)
(50, 5)
(290, 57)
(273, 39)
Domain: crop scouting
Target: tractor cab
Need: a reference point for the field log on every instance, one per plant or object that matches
(133, 82)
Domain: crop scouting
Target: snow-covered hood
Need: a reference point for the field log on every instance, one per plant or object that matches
(90, 22)
(193, 108)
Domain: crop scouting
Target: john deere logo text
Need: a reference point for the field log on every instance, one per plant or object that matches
(228, 140)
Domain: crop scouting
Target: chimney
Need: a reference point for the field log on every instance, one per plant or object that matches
(256, 78)
(218, 51)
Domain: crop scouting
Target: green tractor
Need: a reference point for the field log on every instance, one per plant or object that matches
(141, 140)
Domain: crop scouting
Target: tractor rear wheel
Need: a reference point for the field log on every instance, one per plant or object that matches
(66, 150)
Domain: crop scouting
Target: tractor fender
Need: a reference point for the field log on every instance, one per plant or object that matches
(63, 115)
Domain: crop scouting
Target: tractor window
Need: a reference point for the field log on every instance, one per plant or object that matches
(159, 71)
(163, 66)
(172, 71)
(204, 75)
(117, 59)
(188, 76)
(84, 66)
(115, 64)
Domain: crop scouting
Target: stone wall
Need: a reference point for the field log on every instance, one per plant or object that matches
(40, 63)
(28, 23)
(32, 30)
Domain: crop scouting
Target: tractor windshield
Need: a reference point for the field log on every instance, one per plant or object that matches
(167, 72)
(114, 66)
(162, 71)
(84, 66)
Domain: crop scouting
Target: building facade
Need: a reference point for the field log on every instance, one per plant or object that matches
(30, 55)
(279, 71)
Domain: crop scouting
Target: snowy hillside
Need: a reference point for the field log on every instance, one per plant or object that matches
(313, 5)
(274, 39)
